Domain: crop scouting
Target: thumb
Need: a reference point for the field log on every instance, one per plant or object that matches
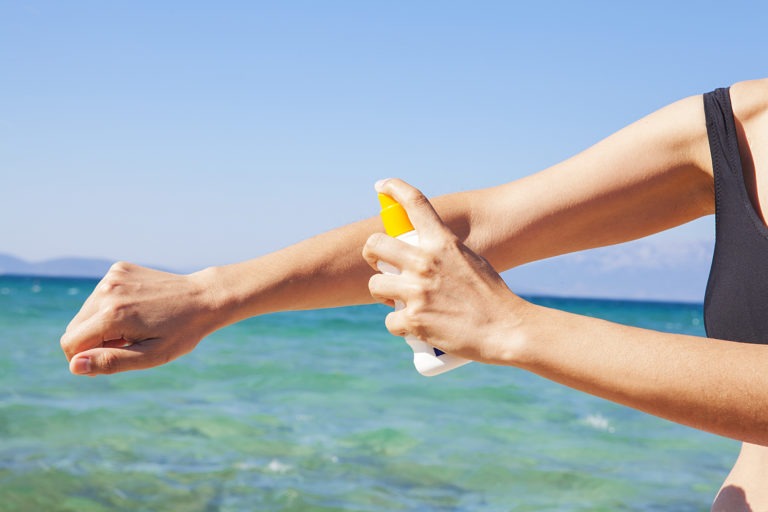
(105, 361)
(420, 211)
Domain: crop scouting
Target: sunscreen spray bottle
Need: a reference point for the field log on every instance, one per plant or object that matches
(428, 360)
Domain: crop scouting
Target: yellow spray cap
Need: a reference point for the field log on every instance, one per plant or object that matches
(393, 215)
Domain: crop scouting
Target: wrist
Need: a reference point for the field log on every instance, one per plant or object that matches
(515, 341)
(216, 299)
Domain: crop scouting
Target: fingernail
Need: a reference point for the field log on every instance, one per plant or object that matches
(380, 184)
(81, 366)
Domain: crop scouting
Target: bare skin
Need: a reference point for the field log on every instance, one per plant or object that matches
(746, 487)
(648, 177)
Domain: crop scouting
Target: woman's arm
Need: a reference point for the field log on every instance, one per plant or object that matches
(653, 175)
(455, 301)
(713, 385)
(650, 176)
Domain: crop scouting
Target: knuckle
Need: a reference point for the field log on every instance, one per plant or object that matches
(414, 323)
(415, 197)
(109, 284)
(450, 240)
(375, 240)
(424, 266)
(446, 243)
(65, 343)
(120, 267)
(371, 244)
(108, 363)
(375, 249)
(115, 278)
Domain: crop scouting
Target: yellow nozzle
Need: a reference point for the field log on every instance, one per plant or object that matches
(396, 221)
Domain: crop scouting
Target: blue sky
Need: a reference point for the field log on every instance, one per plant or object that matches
(185, 134)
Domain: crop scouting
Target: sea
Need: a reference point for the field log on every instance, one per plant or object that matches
(323, 411)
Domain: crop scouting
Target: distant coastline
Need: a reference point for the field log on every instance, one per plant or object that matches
(57, 267)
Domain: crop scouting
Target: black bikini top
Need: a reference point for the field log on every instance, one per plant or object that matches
(736, 300)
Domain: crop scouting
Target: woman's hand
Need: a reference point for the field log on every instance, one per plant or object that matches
(454, 300)
(138, 318)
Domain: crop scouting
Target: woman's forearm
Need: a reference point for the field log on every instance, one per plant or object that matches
(324, 271)
(713, 385)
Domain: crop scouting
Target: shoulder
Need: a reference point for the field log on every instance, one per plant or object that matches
(750, 100)
(750, 112)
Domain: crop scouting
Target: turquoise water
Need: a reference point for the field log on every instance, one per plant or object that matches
(322, 411)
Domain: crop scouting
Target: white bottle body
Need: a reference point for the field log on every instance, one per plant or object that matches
(428, 360)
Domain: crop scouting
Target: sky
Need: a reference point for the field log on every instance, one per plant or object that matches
(188, 134)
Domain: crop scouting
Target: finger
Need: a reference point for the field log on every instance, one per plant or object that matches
(381, 247)
(103, 289)
(396, 324)
(420, 211)
(387, 288)
(87, 310)
(91, 333)
(105, 361)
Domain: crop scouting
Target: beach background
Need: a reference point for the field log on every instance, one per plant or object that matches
(323, 411)
(186, 134)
